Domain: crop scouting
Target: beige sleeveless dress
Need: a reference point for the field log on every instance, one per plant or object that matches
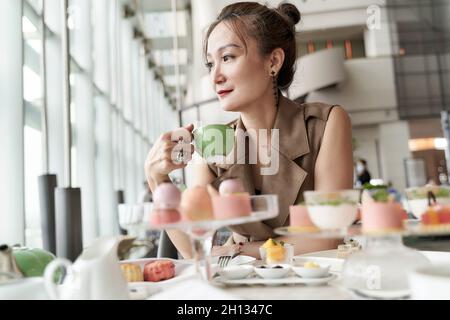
(301, 129)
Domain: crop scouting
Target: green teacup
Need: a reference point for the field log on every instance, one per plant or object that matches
(32, 261)
(214, 142)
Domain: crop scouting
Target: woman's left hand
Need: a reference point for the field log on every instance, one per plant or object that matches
(226, 250)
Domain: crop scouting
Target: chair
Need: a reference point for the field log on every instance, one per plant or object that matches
(166, 249)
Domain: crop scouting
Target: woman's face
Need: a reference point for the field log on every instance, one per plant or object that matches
(239, 78)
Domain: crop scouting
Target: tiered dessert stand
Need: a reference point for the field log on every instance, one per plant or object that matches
(201, 232)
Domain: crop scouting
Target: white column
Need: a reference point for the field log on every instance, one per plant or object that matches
(54, 95)
(137, 117)
(130, 190)
(101, 45)
(115, 148)
(12, 222)
(52, 16)
(126, 66)
(138, 166)
(203, 13)
(151, 105)
(377, 39)
(128, 81)
(394, 149)
(143, 69)
(113, 45)
(135, 73)
(85, 144)
(85, 124)
(107, 204)
(116, 85)
(121, 151)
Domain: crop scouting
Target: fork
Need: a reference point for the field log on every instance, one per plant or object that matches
(225, 260)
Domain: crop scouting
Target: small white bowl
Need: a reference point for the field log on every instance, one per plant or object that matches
(303, 272)
(271, 272)
(332, 209)
(331, 217)
(236, 272)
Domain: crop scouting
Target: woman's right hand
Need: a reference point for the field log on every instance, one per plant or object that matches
(163, 157)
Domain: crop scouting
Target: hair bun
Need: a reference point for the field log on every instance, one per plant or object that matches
(290, 11)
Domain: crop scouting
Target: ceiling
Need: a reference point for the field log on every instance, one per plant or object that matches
(160, 30)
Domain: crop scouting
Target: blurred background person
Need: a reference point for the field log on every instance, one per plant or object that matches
(363, 175)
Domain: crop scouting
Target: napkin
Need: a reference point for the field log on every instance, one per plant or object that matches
(193, 289)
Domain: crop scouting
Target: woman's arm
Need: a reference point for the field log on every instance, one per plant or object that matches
(334, 164)
(203, 176)
(333, 171)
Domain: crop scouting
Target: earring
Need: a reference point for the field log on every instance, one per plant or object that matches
(275, 87)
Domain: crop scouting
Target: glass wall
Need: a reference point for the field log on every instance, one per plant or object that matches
(421, 42)
(117, 110)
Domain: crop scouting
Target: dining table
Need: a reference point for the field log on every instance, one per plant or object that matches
(333, 290)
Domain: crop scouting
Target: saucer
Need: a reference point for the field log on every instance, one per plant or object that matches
(288, 280)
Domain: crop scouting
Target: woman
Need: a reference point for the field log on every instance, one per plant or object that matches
(250, 53)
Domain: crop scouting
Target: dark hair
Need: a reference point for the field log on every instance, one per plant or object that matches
(271, 28)
(364, 162)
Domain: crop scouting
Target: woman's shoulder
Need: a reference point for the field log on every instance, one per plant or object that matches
(318, 110)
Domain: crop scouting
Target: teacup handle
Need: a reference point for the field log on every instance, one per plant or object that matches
(50, 285)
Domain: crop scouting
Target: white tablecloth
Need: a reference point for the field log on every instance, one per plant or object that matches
(333, 291)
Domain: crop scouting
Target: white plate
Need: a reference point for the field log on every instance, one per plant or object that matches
(290, 279)
(183, 270)
(238, 260)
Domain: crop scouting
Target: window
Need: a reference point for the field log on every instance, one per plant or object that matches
(32, 94)
(110, 137)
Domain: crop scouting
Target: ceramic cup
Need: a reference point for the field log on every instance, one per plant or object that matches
(214, 142)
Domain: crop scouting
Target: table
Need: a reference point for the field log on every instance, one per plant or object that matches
(333, 291)
(290, 292)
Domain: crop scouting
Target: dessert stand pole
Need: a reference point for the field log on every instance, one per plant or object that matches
(201, 241)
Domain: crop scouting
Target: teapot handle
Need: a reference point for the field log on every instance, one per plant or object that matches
(49, 273)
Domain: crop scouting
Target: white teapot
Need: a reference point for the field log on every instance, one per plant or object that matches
(95, 275)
